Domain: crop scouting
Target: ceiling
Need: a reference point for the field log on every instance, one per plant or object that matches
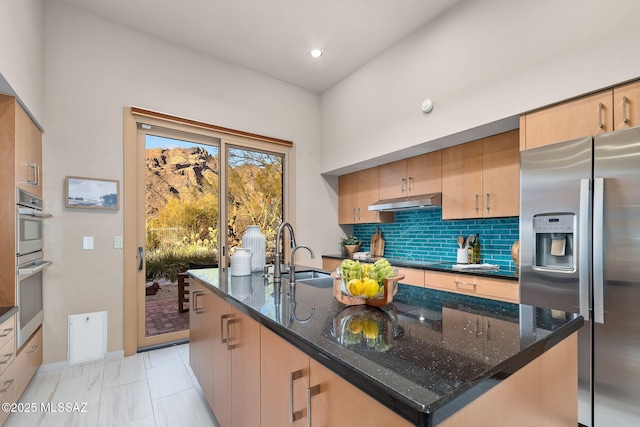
(274, 37)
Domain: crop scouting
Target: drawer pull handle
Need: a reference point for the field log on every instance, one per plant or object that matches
(465, 285)
(229, 345)
(7, 385)
(35, 348)
(600, 111)
(311, 391)
(222, 319)
(293, 416)
(625, 119)
(6, 332)
(7, 357)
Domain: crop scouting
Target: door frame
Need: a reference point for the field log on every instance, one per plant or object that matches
(134, 155)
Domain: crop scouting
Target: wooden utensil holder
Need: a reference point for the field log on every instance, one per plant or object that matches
(390, 289)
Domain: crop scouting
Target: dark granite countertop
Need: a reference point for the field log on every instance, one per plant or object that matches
(443, 266)
(419, 359)
(6, 312)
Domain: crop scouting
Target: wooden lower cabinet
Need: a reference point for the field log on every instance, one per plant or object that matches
(235, 368)
(340, 404)
(28, 360)
(542, 393)
(201, 336)
(284, 378)
(484, 287)
(8, 383)
(289, 376)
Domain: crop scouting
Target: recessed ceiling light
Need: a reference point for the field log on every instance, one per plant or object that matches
(316, 53)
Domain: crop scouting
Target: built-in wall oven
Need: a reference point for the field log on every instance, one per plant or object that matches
(29, 263)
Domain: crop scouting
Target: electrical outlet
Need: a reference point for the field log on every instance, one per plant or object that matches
(117, 242)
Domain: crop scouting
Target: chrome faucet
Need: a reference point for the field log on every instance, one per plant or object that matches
(277, 261)
(292, 263)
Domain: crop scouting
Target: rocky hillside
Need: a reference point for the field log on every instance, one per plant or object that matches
(177, 172)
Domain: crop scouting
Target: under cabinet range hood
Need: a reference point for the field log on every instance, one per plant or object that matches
(408, 203)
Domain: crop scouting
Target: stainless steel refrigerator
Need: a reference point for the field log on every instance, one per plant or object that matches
(580, 253)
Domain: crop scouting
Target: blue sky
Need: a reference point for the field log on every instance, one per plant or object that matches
(153, 141)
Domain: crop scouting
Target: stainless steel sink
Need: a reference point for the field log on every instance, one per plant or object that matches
(318, 282)
(316, 278)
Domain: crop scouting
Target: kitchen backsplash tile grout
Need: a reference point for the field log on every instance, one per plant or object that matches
(423, 235)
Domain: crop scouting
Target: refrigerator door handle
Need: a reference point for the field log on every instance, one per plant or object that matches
(583, 248)
(598, 250)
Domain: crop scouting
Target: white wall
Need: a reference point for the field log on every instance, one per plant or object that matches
(22, 53)
(481, 62)
(94, 68)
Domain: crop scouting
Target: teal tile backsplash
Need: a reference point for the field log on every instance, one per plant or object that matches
(423, 235)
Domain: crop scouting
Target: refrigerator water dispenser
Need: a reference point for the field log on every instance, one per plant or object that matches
(553, 245)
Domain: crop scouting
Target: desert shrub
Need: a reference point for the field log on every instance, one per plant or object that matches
(169, 262)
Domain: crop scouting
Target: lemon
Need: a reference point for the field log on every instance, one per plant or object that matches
(355, 326)
(370, 329)
(370, 288)
(355, 287)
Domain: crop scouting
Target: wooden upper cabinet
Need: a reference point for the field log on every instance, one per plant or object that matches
(28, 146)
(392, 180)
(626, 105)
(589, 115)
(462, 181)
(425, 173)
(481, 179)
(501, 175)
(416, 175)
(356, 191)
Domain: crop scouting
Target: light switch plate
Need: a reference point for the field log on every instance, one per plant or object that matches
(87, 242)
(117, 242)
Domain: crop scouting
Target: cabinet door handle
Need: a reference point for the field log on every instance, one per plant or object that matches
(475, 202)
(35, 348)
(196, 308)
(140, 258)
(409, 181)
(311, 391)
(7, 385)
(402, 181)
(229, 345)
(194, 294)
(37, 175)
(487, 331)
(6, 332)
(7, 357)
(488, 207)
(35, 179)
(358, 214)
(293, 416)
(354, 214)
(460, 285)
(625, 119)
(222, 319)
(600, 115)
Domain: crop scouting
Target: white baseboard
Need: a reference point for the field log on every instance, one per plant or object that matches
(58, 366)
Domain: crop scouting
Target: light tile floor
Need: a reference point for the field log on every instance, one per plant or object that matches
(150, 389)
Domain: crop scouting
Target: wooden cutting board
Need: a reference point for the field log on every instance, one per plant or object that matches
(377, 244)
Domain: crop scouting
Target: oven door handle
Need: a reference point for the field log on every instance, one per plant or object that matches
(33, 213)
(25, 272)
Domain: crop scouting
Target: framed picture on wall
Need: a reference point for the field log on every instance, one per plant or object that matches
(92, 193)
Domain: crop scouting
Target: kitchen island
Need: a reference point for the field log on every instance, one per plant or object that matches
(428, 357)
